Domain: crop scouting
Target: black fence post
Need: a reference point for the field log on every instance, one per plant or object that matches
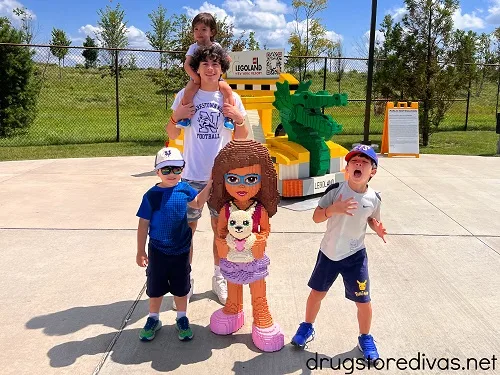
(117, 99)
(498, 89)
(324, 81)
(468, 103)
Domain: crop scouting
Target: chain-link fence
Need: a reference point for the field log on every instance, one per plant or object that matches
(84, 102)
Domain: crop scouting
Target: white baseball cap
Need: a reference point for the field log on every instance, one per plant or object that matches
(169, 156)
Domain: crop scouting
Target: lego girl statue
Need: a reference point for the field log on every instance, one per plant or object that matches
(244, 192)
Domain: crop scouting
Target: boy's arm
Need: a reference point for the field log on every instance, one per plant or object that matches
(142, 235)
(190, 71)
(202, 197)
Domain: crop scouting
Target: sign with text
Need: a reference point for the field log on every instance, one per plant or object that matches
(256, 64)
(403, 131)
(400, 135)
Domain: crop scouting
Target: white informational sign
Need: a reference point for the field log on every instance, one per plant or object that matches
(403, 131)
(256, 64)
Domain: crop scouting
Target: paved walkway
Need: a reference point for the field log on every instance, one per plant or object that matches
(73, 298)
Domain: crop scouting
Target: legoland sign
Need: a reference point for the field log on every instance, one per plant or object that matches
(256, 64)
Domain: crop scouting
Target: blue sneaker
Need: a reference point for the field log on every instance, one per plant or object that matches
(304, 334)
(185, 333)
(183, 123)
(228, 123)
(149, 331)
(367, 346)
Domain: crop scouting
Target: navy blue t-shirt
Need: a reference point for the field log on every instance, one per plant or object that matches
(166, 210)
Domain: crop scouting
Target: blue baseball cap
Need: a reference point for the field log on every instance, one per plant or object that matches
(365, 150)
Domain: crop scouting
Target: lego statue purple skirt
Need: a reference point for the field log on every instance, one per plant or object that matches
(244, 273)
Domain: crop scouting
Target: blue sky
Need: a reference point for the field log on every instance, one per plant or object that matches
(272, 20)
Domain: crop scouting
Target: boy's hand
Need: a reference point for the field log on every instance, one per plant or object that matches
(379, 229)
(141, 259)
(184, 111)
(342, 207)
(233, 113)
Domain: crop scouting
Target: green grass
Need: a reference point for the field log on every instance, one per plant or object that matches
(77, 113)
(453, 143)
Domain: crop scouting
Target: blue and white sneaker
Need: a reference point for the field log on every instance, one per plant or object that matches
(228, 123)
(148, 333)
(368, 348)
(183, 123)
(304, 334)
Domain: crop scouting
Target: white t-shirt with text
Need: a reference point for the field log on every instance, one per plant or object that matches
(207, 135)
(345, 234)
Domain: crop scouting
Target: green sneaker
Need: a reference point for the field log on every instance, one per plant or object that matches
(149, 331)
(185, 333)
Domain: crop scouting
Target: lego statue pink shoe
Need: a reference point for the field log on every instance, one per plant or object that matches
(268, 339)
(225, 324)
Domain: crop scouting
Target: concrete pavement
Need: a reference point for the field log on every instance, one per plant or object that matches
(73, 298)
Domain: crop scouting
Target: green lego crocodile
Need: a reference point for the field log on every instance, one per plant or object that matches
(304, 123)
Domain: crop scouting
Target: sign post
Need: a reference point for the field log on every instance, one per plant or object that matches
(400, 136)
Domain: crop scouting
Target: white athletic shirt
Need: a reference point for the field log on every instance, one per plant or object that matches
(193, 47)
(207, 135)
(345, 234)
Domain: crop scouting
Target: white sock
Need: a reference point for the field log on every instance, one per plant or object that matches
(180, 314)
(154, 315)
(217, 271)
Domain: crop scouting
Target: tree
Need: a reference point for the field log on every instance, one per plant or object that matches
(29, 28)
(112, 34)
(253, 45)
(338, 63)
(309, 37)
(90, 54)
(160, 37)
(59, 38)
(419, 54)
(484, 55)
(18, 96)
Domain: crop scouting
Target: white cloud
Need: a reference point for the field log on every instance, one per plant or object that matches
(467, 21)
(493, 16)
(379, 38)
(7, 7)
(136, 37)
(397, 14)
(265, 17)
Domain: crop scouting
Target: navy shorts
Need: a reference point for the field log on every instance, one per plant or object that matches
(354, 271)
(167, 273)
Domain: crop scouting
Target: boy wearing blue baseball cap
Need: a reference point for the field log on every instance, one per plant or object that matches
(348, 206)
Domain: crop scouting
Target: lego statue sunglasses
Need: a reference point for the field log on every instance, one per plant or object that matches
(248, 179)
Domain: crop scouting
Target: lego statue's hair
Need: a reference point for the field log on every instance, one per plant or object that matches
(241, 153)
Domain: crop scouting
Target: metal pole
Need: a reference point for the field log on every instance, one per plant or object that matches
(468, 102)
(498, 90)
(371, 50)
(117, 99)
(324, 82)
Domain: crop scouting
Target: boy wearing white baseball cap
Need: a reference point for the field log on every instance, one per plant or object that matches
(163, 215)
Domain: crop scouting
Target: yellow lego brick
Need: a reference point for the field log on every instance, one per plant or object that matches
(301, 153)
(336, 150)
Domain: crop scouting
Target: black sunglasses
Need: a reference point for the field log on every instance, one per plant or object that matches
(175, 170)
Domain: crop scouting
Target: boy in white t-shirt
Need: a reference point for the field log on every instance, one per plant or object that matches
(206, 137)
(204, 29)
(348, 206)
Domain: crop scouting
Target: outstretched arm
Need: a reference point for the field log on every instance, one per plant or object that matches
(202, 197)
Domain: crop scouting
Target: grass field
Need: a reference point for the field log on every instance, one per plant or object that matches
(79, 109)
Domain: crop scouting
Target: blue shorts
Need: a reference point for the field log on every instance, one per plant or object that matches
(354, 271)
(167, 273)
(194, 214)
